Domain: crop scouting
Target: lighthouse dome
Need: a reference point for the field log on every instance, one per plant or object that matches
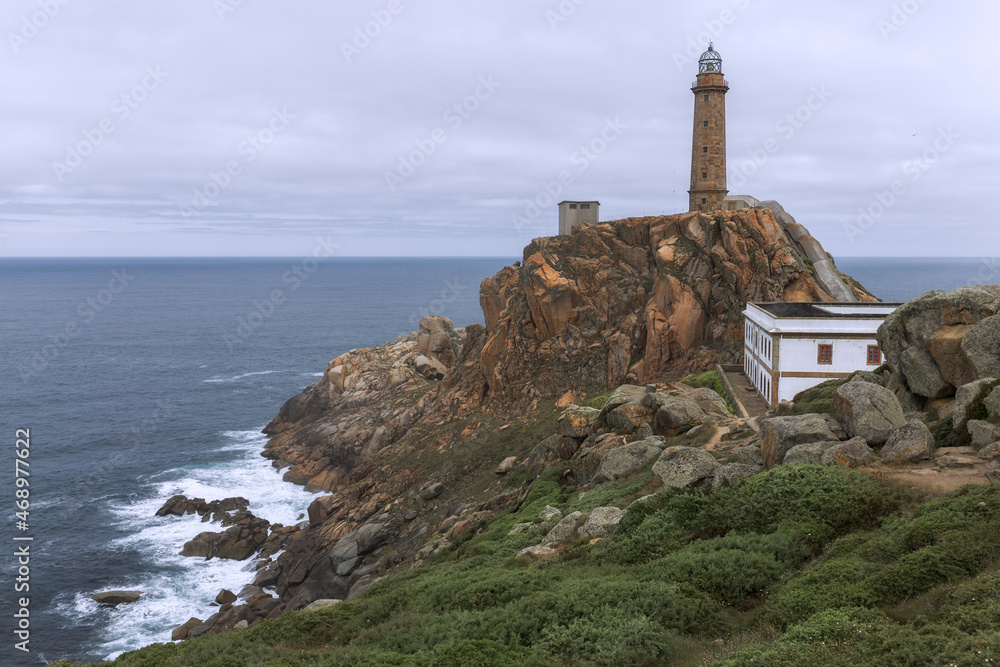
(710, 61)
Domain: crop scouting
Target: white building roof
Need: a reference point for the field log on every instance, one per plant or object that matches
(819, 317)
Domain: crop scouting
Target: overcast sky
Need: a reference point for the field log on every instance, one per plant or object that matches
(253, 127)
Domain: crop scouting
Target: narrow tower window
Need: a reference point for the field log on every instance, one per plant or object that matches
(704, 174)
(705, 123)
(704, 149)
(706, 98)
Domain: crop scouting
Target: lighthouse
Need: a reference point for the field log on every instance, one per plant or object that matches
(708, 149)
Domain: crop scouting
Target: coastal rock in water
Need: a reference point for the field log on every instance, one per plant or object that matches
(911, 442)
(239, 542)
(867, 410)
(780, 434)
(181, 631)
(682, 467)
(115, 598)
(225, 597)
(853, 453)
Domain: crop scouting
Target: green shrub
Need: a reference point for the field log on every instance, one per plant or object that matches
(711, 380)
(735, 567)
(945, 434)
(818, 399)
(945, 540)
(977, 408)
(798, 494)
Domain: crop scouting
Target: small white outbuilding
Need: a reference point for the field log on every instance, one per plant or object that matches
(790, 347)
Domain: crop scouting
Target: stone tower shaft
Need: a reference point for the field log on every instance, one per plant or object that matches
(708, 149)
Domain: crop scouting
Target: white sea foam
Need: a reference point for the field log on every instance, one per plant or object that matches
(177, 588)
(237, 378)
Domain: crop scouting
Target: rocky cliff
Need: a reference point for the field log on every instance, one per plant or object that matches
(412, 441)
(635, 300)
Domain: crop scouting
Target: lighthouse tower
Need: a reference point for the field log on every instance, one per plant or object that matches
(708, 150)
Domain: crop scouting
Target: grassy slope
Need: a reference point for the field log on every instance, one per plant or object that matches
(799, 565)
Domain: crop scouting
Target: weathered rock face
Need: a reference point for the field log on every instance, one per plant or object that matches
(855, 452)
(943, 340)
(623, 461)
(778, 435)
(682, 467)
(115, 598)
(911, 442)
(867, 410)
(640, 295)
(434, 339)
(964, 397)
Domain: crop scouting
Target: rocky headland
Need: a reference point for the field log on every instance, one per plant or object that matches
(424, 442)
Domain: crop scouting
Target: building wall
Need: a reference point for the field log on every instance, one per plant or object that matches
(799, 368)
(571, 217)
(708, 149)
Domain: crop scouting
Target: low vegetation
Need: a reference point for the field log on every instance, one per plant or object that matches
(799, 565)
(818, 399)
(711, 380)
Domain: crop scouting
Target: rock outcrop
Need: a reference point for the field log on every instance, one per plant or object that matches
(640, 297)
(943, 340)
(867, 410)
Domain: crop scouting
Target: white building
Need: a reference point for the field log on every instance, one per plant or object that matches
(790, 347)
(573, 213)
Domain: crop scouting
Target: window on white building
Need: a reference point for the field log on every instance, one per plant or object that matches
(824, 354)
(874, 355)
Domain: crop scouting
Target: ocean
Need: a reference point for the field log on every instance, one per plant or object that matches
(143, 378)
